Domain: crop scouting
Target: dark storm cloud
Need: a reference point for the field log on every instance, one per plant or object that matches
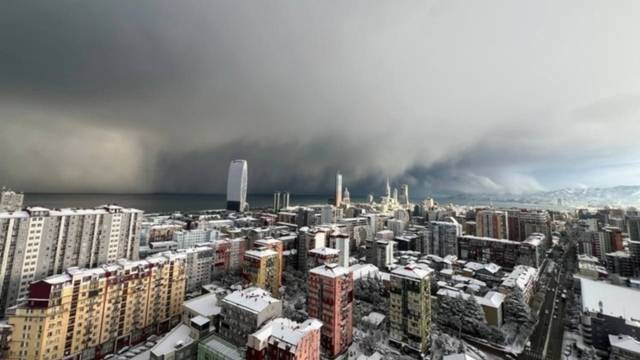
(444, 95)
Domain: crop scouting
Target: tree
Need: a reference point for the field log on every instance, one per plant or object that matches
(516, 309)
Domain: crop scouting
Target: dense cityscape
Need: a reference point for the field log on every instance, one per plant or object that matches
(386, 278)
(319, 180)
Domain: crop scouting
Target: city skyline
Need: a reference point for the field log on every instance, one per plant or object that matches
(158, 97)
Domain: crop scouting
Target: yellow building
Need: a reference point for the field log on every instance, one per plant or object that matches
(261, 267)
(410, 307)
(86, 313)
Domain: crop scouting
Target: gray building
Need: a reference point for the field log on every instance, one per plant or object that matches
(244, 311)
(10, 200)
(608, 310)
(442, 237)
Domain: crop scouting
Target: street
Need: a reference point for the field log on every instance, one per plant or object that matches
(546, 340)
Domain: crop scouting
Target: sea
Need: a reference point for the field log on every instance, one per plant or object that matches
(169, 203)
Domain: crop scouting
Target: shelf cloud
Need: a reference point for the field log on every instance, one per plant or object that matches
(448, 96)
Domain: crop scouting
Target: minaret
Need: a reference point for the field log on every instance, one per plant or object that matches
(338, 189)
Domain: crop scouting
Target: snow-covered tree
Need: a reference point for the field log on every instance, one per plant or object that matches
(516, 309)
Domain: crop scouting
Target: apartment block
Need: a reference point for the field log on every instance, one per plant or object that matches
(330, 299)
(88, 313)
(261, 268)
(492, 223)
(284, 339)
(245, 311)
(39, 242)
(410, 307)
(506, 253)
(199, 266)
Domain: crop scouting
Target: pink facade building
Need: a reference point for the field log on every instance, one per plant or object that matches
(284, 339)
(330, 299)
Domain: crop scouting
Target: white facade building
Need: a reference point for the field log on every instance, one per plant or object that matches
(237, 185)
(39, 242)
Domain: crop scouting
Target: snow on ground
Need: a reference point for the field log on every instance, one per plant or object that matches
(569, 339)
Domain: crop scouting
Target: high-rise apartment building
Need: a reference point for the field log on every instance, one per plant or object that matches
(189, 238)
(330, 299)
(282, 338)
(280, 201)
(39, 242)
(237, 185)
(199, 262)
(309, 239)
(410, 307)
(524, 222)
(492, 223)
(88, 313)
(261, 268)
(633, 227)
(442, 237)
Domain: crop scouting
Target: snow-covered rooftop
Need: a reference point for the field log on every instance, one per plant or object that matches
(412, 271)
(253, 299)
(616, 301)
(199, 320)
(260, 253)
(363, 270)
(205, 305)
(330, 270)
(325, 251)
(520, 276)
(492, 298)
(287, 333)
(626, 343)
(179, 337)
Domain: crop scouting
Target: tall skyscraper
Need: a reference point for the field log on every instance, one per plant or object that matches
(330, 299)
(338, 189)
(410, 307)
(237, 185)
(38, 242)
(387, 190)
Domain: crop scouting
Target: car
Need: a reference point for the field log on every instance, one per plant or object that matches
(555, 316)
(567, 352)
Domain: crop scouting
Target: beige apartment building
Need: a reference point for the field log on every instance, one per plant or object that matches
(88, 313)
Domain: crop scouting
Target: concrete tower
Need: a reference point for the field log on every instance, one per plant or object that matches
(338, 189)
(387, 192)
(237, 185)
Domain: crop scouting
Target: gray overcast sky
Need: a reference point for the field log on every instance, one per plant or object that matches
(471, 96)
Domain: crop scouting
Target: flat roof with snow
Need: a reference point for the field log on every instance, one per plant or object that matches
(616, 301)
(330, 270)
(253, 299)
